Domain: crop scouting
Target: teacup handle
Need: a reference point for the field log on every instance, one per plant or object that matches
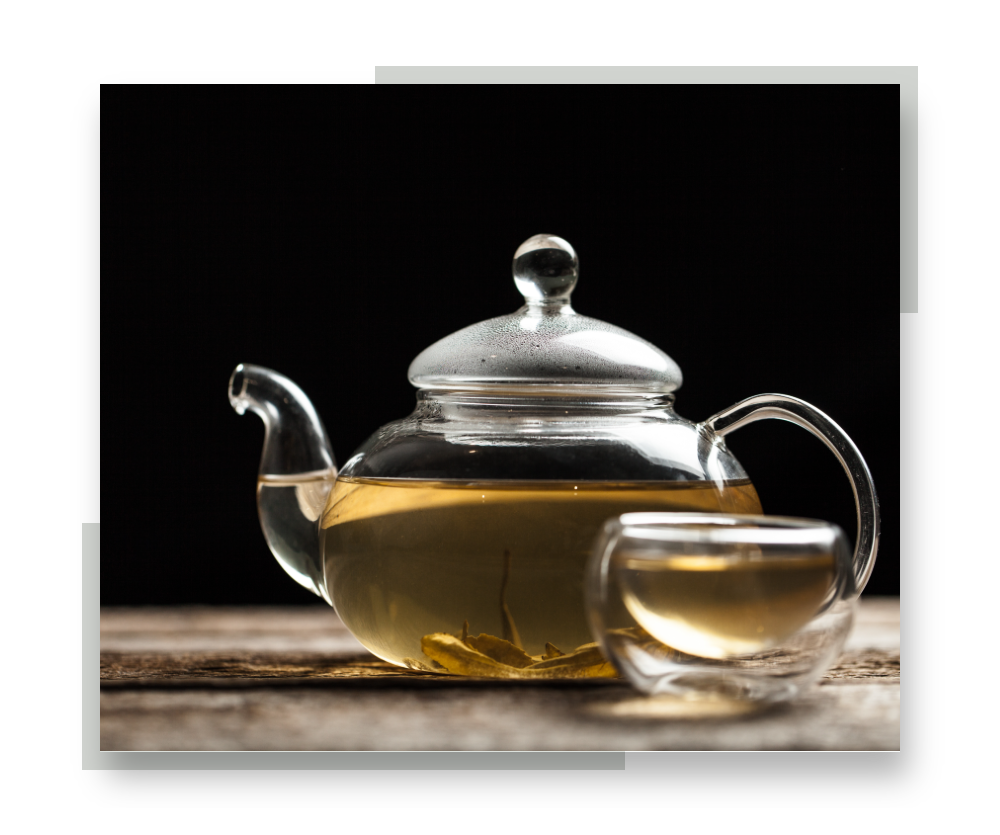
(783, 407)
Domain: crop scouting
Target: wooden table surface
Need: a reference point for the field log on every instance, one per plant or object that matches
(294, 679)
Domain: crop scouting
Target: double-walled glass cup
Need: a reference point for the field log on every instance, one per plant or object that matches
(746, 607)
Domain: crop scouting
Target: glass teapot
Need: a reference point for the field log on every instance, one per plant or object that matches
(456, 539)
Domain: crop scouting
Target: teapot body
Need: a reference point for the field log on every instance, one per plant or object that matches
(455, 540)
(475, 516)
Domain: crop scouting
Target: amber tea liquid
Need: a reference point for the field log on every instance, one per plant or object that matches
(404, 559)
(717, 606)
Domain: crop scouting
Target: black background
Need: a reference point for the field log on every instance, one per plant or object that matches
(332, 233)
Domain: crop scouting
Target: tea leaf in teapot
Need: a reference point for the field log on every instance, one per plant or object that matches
(494, 657)
(506, 619)
(585, 657)
(459, 658)
(500, 650)
(585, 661)
(589, 664)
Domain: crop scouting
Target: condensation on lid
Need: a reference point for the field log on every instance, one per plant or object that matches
(545, 342)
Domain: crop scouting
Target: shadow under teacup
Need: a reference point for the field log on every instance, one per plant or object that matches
(700, 604)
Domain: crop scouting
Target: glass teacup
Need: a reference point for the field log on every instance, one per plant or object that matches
(746, 607)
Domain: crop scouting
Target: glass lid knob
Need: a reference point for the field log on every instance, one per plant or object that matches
(545, 270)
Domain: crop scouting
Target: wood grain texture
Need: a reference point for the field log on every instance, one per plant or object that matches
(295, 679)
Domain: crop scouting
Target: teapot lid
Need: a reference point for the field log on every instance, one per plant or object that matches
(546, 343)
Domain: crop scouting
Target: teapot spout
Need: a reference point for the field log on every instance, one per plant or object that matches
(297, 469)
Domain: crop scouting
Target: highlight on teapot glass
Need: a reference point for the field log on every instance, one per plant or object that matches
(455, 539)
(740, 606)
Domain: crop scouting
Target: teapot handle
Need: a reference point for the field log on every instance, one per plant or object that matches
(783, 407)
